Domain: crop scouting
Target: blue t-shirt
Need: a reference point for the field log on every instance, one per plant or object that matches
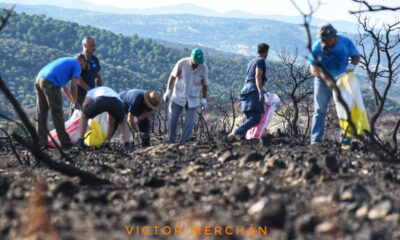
(257, 62)
(89, 77)
(334, 59)
(134, 101)
(61, 71)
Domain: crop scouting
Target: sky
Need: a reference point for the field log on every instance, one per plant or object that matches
(332, 10)
(329, 9)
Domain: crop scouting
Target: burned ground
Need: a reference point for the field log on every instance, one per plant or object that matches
(298, 191)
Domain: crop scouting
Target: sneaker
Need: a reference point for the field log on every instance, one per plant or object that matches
(346, 147)
(233, 137)
(80, 145)
(129, 146)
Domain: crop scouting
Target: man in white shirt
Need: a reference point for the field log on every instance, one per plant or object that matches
(190, 76)
(99, 100)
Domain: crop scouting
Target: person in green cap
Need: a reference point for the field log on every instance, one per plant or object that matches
(186, 90)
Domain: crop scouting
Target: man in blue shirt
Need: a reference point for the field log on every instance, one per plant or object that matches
(138, 104)
(49, 81)
(333, 52)
(252, 94)
(91, 76)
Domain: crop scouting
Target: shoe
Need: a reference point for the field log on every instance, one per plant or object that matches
(107, 144)
(129, 146)
(346, 147)
(80, 145)
(66, 147)
(233, 137)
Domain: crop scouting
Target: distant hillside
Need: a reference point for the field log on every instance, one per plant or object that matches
(28, 43)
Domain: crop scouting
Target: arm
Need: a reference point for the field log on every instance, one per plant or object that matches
(204, 90)
(67, 93)
(259, 74)
(171, 82)
(83, 84)
(99, 79)
(355, 60)
(314, 70)
(143, 116)
(132, 123)
(74, 89)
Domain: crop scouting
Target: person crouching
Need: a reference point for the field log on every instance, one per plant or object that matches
(99, 100)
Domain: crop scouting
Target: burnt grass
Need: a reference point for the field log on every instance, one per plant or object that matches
(297, 190)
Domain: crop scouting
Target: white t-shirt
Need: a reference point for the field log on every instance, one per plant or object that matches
(102, 92)
(188, 83)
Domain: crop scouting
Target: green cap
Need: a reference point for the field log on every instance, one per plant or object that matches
(197, 56)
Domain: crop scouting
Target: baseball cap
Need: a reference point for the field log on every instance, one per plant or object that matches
(325, 31)
(197, 55)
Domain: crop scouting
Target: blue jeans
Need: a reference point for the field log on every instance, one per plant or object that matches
(252, 119)
(322, 97)
(174, 113)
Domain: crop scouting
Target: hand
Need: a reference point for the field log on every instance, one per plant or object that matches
(77, 106)
(204, 102)
(167, 95)
(261, 97)
(350, 68)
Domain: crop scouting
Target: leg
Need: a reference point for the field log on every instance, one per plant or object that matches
(125, 132)
(144, 131)
(252, 119)
(190, 120)
(111, 127)
(322, 96)
(174, 112)
(54, 100)
(42, 114)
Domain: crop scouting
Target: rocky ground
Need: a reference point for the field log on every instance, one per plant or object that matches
(296, 190)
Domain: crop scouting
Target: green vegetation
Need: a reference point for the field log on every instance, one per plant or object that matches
(28, 43)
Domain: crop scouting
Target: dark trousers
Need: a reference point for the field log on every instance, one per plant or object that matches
(49, 99)
(253, 118)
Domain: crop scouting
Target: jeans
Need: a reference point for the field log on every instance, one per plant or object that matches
(252, 119)
(322, 97)
(174, 112)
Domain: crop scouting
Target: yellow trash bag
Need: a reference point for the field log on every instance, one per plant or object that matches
(97, 135)
(351, 94)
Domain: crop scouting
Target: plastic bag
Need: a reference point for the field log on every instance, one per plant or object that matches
(97, 135)
(71, 127)
(271, 100)
(351, 94)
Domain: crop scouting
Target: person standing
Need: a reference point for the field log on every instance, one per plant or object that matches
(91, 76)
(187, 90)
(138, 105)
(252, 94)
(333, 51)
(49, 81)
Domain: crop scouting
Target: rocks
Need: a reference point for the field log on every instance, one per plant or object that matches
(66, 189)
(273, 214)
(153, 182)
(355, 193)
(380, 210)
(241, 193)
(306, 223)
(250, 157)
(4, 185)
(227, 156)
(331, 163)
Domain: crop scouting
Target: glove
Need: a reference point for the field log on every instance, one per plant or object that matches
(261, 97)
(350, 68)
(167, 95)
(77, 106)
(204, 102)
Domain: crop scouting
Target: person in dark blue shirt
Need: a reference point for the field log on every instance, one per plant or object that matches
(49, 81)
(252, 94)
(138, 105)
(91, 76)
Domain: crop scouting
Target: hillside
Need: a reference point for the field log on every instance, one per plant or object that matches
(30, 42)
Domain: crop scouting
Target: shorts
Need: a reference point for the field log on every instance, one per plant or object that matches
(105, 104)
